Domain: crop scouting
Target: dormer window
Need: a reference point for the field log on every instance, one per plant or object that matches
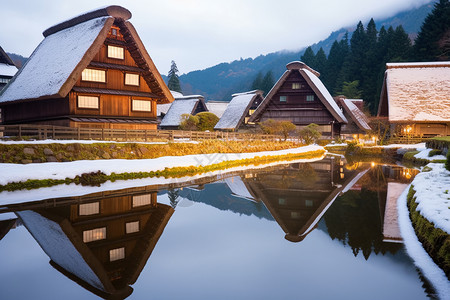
(115, 52)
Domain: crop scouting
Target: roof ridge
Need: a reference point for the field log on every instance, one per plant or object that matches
(115, 11)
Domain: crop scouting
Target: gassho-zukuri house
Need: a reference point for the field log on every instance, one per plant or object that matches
(191, 104)
(90, 71)
(239, 110)
(300, 97)
(7, 68)
(415, 98)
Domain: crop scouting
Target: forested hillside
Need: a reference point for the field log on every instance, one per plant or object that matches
(220, 81)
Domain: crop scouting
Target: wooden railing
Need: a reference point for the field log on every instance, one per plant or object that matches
(43, 132)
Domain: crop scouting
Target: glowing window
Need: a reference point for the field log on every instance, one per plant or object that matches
(93, 75)
(116, 254)
(296, 85)
(141, 105)
(115, 52)
(132, 227)
(88, 102)
(89, 209)
(310, 98)
(132, 79)
(94, 234)
(251, 111)
(142, 200)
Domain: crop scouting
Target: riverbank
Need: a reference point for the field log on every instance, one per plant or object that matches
(28, 176)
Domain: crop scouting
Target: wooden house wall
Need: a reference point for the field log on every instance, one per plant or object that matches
(36, 110)
(296, 109)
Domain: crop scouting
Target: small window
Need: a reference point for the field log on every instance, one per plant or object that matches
(142, 200)
(309, 203)
(116, 254)
(4, 80)
(89, 209)
(93, 75)
(283, 98)
(94, 234)
(295, 215)
(141, 105)
(296, 85)
(115, 52)
(281, 201)
(88, 102)
(114, 31)
(131, 79)
(132, 227)
(310, 98)
(250, 112)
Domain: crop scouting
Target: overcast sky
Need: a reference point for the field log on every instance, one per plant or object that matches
(201, 33)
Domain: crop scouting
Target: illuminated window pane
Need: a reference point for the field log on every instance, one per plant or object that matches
(283, 98)
(295, 86)
(309, 203)
(295, 215)
(142, 105)
(94, 234)
(88, 102)
(93, 75)
(142, 200)
(89, 209)
(132, 79)
(116, 254)
(115, 52)
(132, 227)
(310, 98)
(251, 111)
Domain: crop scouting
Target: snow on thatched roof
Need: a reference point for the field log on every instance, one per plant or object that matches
(217, 107)
(68, 48)
(237, 109)
(356, 114)
(312, 78)
(7, 70)
(238, 188)
(181, 105)
(416, 92)
(58, 246)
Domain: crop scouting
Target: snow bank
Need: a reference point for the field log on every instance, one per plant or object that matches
(433, 195)
(424, 155)
(415, 250)
(91, 142)
(16, 173)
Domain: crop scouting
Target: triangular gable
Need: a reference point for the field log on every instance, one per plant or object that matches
(311, 77)
(4, 58)
(237, 109)
(180, 106)
(68, 48)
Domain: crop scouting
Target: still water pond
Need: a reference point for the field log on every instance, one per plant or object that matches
(321, 230)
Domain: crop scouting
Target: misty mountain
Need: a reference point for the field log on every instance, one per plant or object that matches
(222, 80)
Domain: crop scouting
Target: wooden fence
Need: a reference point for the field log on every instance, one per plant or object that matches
(43, 132)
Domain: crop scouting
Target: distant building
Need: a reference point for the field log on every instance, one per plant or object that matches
(415, 98)
(217, 107)
(300, 97)
(7, 68)
(89, 71)
(358, 122)
(192, 104)
(239, 110)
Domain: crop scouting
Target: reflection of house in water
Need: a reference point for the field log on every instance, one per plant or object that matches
(298, 196)
(103, 245)
(7, 222)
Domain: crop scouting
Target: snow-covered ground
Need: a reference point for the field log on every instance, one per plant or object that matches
(416, 251)
(424, 155)
(48, 141)
(433, 195)
(62, 170)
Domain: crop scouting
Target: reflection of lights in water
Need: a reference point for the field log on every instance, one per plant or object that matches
(407, 173)
(372, 164)
(342, 175)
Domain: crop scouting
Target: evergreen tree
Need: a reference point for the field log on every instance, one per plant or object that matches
(370, 67)
(257, 83)
(433, 41)
(321, 63)
(400, 46)
(358, 49)
(174, 81)
(308, 57)
(267, 82)
(344, 62)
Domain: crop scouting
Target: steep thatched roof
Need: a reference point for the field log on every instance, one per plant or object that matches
(69, 47)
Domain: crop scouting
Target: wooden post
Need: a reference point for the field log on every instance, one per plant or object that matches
(126, 134)
(78, 133)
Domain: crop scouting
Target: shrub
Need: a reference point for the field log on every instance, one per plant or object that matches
(207, 121)
(310, 133)
(268, 126)
(189, 122)
(434, 152)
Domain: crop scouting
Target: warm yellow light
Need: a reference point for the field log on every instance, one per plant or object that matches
(355, 136)
(372, 164)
